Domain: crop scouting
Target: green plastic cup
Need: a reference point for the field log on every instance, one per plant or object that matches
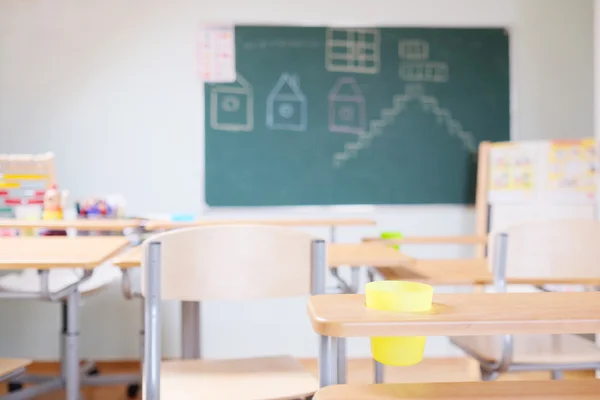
(392, 235)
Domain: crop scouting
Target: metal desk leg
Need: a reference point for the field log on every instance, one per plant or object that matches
(71, 362)
(190, 330)
(355, 279)
(327, 361)
(378, 376)
(341, 361)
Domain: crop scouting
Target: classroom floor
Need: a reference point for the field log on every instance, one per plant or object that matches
(359, 370)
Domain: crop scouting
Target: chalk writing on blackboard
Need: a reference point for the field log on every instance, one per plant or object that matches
(287, 105)
(353, 50)
(347, 112)
(413, 92)
(232, 106)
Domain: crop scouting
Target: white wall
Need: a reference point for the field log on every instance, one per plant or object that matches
(110, 87)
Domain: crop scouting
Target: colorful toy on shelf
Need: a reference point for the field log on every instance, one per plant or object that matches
(109, 207)
(94, 208)
(53, 209)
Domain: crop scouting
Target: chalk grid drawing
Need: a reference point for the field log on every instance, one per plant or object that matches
(415, 65)
(232, 106)
(347, 111)
(355, 50)
(287, 105)
(413, 92)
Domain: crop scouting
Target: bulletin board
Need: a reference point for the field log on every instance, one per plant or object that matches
(535, 180)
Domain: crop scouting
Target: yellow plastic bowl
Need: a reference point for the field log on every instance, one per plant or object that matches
(405, 297)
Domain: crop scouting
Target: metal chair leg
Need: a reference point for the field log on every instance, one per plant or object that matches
(487, 375)
(557, 375)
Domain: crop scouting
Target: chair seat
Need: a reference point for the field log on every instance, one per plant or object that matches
(10, 365)
(511, 390)
(242, 379)
(29, 281)
(533, 349)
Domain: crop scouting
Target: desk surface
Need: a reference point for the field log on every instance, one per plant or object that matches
(458, 240)
(81, 224)
(462, 314)
(526, 390)
(159, 225)
(8, 365)
(338, 254)
(56, 252)
(474, 271)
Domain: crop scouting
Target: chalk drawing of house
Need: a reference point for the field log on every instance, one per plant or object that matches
(287, 105)
(347, 111)
(232, 106)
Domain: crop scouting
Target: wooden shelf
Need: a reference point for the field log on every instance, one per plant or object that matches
(343, 315)
(510, 390)
(81, 224)
(159, 225)
(338, 254)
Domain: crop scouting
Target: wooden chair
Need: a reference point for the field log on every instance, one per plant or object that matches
(541, 250)
(234, 262)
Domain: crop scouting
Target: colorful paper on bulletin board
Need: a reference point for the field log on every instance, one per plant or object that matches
(512, 172)
(216, 53)
(572, 169)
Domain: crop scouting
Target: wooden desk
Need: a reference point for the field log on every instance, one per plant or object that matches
(80, 224)
(58, 252)
(45, 253)
(472, 271)
(345, 315)
(10, 365)
(457, 240)
(160, 225)
(338, 254)
(525, 390)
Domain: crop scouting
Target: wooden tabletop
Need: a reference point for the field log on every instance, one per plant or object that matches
(129, 259)
(55, 252)
(473, 239)
(506, 390)
(8, 365)
(338, 254)
(464, 314)
(81, 224)
(160, 225)
(467, 271)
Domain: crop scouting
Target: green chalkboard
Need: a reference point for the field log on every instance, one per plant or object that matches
(332, 116)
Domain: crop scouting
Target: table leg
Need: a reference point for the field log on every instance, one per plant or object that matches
(64, 308)
(332, 232)
(71, 362)
(327, 361)
(341, 361)
(190, 330)
(378, 376)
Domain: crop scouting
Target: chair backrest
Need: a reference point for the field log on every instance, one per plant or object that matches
(233, 262)
(549, 250)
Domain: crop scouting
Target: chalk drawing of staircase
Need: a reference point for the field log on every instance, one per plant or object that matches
(388, 116)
